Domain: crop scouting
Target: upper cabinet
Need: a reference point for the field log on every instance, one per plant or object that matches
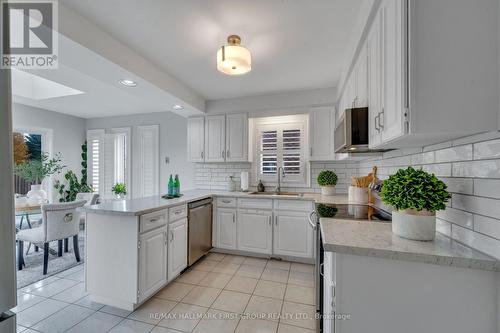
(424, 84)
(218, 138)
(196, 139)
(322, 125)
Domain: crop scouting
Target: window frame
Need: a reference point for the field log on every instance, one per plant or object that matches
(280, 124)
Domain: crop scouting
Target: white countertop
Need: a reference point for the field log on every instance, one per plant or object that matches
(136, 207)
(376, 239)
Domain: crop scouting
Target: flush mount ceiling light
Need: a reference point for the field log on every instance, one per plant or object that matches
(234, 59)
(178, 107)
(127, 83)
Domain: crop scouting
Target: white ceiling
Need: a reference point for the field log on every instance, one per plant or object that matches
(295, 44)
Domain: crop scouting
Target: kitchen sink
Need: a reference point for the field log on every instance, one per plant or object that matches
(290, 194)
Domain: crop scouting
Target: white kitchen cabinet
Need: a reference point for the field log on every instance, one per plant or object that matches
(236, 137)
(329, 293)
(374, 84)
(361, 99)
(226, 228)
(196, 139)
(215, 138)
(322, 125)
(152, 261)
(177, 248)
(292, 235)
(255, 231)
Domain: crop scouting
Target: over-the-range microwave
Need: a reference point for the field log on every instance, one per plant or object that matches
(351, 132)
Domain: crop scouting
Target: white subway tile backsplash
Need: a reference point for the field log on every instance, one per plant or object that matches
(477, 138)
(487, 225)
(442, 170)
(477, 205)
(459, 153)
(485, 244)
(487, 149)
(456, 216)
(487, 188)
(437, 146)
(443, 227)
(479, 169)
(459, 185)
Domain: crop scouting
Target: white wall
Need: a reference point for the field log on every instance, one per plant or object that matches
(68, 134)
(173, 142)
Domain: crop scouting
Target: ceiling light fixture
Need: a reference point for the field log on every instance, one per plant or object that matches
(234, 59)
(178, 107)
(127, 83)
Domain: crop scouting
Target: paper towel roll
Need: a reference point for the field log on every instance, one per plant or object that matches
(244, 181)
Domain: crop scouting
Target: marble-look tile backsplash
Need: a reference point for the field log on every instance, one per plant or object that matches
(469, 166)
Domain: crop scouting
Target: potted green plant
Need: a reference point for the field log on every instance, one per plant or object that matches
(35, 171)
(415, 196)
(327, 180)
(120, 190)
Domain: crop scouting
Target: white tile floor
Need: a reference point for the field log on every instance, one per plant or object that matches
(222, 293)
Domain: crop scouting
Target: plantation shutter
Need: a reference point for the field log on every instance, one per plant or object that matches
(95, 153)
(109, 165)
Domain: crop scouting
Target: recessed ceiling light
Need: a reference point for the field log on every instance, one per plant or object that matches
(127, 83)
(178, 107)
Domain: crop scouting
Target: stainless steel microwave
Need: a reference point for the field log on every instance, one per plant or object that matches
(351, 132)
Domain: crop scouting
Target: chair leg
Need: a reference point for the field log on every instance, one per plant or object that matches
(45, 257)
(20, 255)
(66, 245)
(59, 247)
(76, 249)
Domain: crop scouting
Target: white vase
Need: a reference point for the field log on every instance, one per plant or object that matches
(328, 190)
(414, 225)
(36, 195)
(357, 195)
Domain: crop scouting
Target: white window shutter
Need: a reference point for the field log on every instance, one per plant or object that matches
(146, 173)
(109, 165)
(95, 155)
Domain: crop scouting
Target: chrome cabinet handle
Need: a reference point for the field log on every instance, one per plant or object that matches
(154, 220)
(381, 123)
(376, 123)
(226, 201)
(269, 220)
(171, 235)
(227, 154)
(177, 212)
(165, 237)
(322, 269)
(311, 222)
(223, 154)
(276, 220)
(202, 155)
(234, 218)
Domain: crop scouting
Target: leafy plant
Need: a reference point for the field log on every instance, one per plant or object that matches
(415, 189)
(119, 188)
(74, 187)
(35, 170)
(327, 178)
(84, 163)
(326, 211)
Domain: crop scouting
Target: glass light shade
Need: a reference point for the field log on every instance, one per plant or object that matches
(234, 60)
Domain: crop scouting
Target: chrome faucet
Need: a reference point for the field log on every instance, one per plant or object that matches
(280, 174)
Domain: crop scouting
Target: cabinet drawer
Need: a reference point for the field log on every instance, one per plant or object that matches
(255, 203)
(226, 202)
(177, 212)
(295, 205)
(153, 220)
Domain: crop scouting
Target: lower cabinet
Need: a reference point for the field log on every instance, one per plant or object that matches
(329, 299)
(152, 261)
(226, 228)
(177, 248)
(292, 235)
(255, 231)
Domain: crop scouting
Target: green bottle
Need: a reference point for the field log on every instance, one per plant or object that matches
(177, 186)
(171, 186)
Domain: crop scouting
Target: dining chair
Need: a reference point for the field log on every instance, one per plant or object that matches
(59, 221)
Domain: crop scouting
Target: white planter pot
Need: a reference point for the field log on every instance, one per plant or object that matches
(358, 195)
(414, 225)
(36, 195)
(328, 190)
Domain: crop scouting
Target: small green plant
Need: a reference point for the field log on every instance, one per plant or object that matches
(415, 189)
(327, 178)
(326, 211)
(35, 170)
(119, 189)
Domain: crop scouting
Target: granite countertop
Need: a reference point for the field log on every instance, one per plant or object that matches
(376, 239)
(136, 207)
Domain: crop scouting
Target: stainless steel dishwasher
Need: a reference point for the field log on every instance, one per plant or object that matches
(199, 229)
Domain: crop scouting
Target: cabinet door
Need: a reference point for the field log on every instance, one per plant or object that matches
(255, 231)
(152, 261)
(237, 138)
(392, 103)
(374, 83)
(329, 293)
(177, 248)
(362, 79)
(321, 133)
(196, 139)
(226, 228)
(215, 139)
(292, 235)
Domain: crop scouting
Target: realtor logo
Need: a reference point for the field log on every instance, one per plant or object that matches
(33, 39)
